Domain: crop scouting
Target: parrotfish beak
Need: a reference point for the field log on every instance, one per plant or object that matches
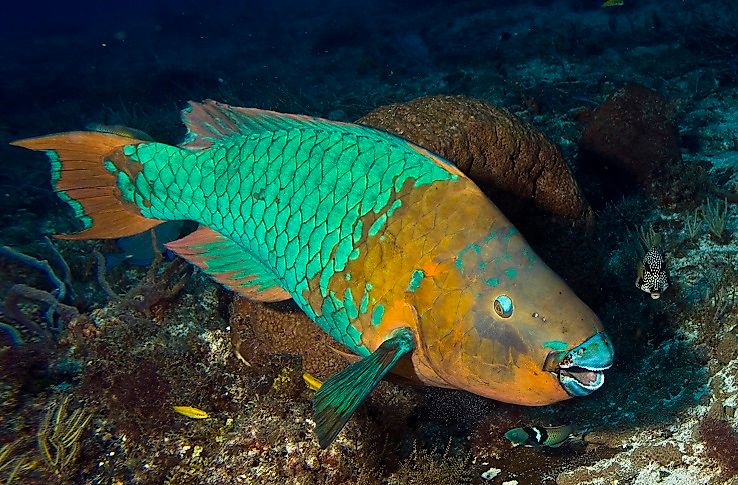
(580, 370)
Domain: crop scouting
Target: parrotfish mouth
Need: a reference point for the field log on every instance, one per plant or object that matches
(580, 370)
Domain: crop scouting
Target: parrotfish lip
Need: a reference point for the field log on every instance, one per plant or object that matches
(580, 370)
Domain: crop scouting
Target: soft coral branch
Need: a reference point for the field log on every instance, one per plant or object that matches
(20, 292)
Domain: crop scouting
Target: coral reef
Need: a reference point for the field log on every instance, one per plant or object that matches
(258, 426)
(59, 434)
(721, 443)
(639, 101)
(423, 467)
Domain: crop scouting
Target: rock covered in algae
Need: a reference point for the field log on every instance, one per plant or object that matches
(259, 331)
(511, 160)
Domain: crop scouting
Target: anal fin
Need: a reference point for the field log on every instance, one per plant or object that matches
(339, 397)
(230, 265)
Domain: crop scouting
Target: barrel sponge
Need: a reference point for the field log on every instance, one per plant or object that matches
(630, 142)
(513, 162)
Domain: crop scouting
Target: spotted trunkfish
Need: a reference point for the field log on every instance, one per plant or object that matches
(389, 248)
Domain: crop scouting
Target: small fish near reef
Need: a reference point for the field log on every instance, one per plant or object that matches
(613, 3)
(191, 412)
(540, 436)
(312, 382)
(120, 130)
(389, 248)
(651, 274)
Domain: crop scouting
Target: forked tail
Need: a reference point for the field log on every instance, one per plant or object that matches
(88, 170)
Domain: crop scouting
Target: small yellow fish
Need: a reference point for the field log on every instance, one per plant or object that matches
(312, 382)
(191, 412)
(613, 3)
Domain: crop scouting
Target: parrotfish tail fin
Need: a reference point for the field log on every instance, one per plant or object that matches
(81, 174)
(337, 399)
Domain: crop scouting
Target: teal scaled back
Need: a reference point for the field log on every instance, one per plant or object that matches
(291, 195)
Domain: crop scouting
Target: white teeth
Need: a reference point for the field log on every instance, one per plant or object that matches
(596, 384)
(600, 379)
(595, 369)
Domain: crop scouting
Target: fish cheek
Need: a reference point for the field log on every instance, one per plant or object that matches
(508, 343)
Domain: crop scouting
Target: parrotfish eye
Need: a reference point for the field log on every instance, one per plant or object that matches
(504, 306)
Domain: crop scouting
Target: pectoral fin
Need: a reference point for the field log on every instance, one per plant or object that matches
(229, 264)
(337, 399)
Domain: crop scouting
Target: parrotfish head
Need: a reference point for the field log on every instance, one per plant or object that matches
(519, 334)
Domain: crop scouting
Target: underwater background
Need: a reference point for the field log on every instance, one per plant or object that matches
(632, 106)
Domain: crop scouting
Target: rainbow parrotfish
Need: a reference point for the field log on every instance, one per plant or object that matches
(388, 247)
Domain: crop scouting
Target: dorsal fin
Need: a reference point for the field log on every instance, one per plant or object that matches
(229, 264)
(210, 122)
